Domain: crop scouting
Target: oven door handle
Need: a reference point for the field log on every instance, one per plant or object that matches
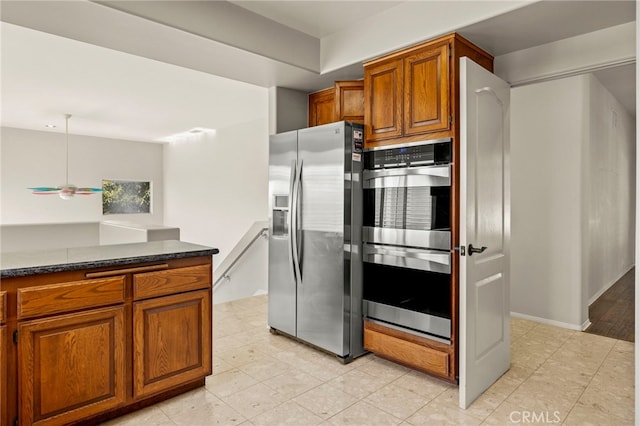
(407, 177)
(427, 260)
(438, 171)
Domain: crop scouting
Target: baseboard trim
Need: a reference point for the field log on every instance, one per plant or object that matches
(578, 327)
(609, 285)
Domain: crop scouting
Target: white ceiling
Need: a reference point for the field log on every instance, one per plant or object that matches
(317, 18)
(125, 96)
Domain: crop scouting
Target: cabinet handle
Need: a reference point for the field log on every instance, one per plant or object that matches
(150, 268)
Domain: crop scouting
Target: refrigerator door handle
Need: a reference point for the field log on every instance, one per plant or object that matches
(297, 218)
(292, 180)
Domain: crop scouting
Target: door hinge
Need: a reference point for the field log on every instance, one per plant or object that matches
(15, 337)
(450, 119)
(461, 249)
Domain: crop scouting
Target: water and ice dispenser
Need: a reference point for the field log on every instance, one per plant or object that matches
(280, 215)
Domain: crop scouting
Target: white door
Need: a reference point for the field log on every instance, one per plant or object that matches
(484, 230)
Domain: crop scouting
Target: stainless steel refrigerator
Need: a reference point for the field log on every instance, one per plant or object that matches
(315, 225)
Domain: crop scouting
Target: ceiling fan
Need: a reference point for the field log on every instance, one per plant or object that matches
(66, 191)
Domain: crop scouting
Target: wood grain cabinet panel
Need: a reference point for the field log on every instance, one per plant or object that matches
(383, 100)
(3, 360)
(3, 375)
(322, 108)
(349, 100)
(426, 90)
(65, 297)
(71, 367)
(171, 341)
(3, 306)
(170, 281)
(406, 349)
(342, 102)
(411, 94)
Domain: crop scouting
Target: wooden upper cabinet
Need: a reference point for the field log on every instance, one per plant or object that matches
(71, 366)
(411, 95)
(426, 90)
(349, 101)
(343, 101)
(383, 100)
(322, 108)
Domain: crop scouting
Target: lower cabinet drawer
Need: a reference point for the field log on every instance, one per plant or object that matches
(70, 296)
(405, 352)
(171, 281)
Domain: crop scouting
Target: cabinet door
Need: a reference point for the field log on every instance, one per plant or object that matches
(71, 366)
(383, 101)
(3, 375)
(349, 101)
(426, 90)
(322, 108)
(171, 341)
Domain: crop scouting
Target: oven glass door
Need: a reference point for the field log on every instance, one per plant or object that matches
(413, 299)
(408, 207)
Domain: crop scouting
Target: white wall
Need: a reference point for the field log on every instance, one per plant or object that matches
(570, 56)
(547, 129)
(572, 197)
(37, 158)
(248, 277)
(609, 220)
(216, 187)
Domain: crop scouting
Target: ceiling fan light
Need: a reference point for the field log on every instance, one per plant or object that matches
(67, 191)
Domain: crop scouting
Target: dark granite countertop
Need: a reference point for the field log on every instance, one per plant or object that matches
(16, 264)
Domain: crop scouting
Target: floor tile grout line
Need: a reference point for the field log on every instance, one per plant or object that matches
(590, 380)
(528, 377)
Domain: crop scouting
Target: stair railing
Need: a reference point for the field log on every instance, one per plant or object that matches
(257, 230)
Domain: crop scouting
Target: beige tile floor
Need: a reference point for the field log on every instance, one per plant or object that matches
(557, 376)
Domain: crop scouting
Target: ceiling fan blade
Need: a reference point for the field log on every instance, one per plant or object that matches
(88, 191)
(45, 189)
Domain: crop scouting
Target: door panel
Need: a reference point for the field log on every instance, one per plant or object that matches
(426, 91)
(171, 341)
(383, 101)
(484, 222)
(282, 286)
(56, 387)
(322, 107)
(321, 292)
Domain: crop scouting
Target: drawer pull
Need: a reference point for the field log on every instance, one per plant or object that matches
(127, 271)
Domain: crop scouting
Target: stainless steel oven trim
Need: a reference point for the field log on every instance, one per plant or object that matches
(406, 257)
(436, 171)
(439, 240)
(429, 325)
(408, 144)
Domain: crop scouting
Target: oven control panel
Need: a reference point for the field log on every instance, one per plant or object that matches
(438, 152)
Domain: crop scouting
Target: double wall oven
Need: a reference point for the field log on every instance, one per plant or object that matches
(407, 237)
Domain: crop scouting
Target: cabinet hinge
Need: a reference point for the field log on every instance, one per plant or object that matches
(450, 119)
(15, 337)
(15, 422)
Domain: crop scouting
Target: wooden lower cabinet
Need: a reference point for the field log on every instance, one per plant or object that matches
(71, 366)
(3, 360)
(95, 344)
(3, 375)
(413, 351)
(171, 341)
